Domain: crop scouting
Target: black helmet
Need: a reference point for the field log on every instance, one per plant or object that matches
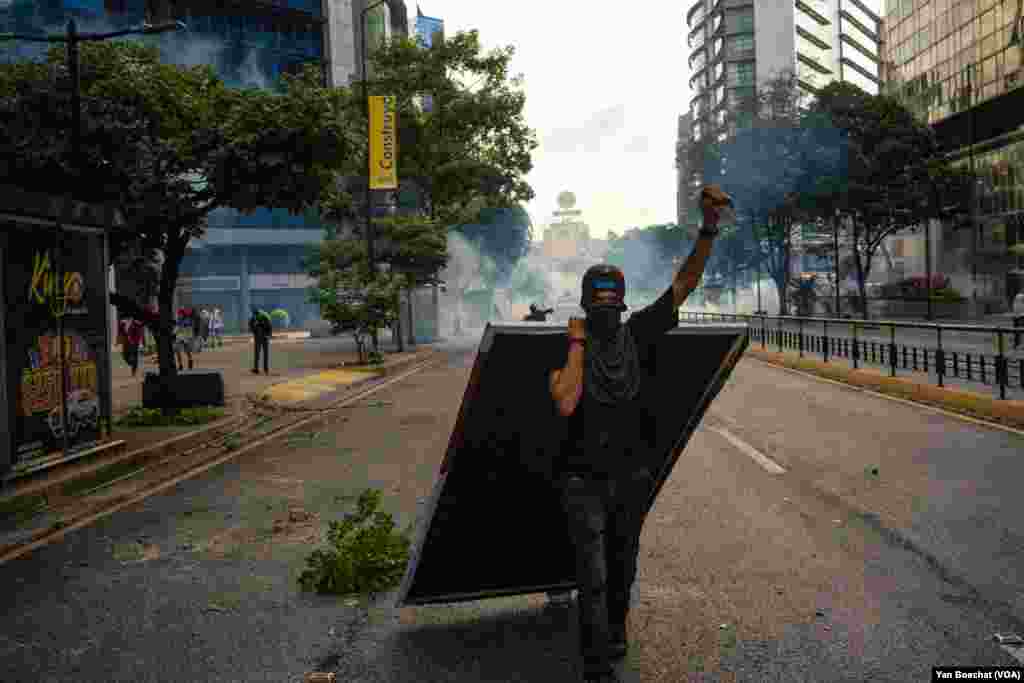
(603, 277)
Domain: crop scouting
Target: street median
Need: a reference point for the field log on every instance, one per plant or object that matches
(23, 501)
(1005, 412)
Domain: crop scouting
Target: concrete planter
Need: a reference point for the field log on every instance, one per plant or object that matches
(185, 390)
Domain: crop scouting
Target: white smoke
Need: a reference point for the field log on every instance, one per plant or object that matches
(474, 297)
(188, 50)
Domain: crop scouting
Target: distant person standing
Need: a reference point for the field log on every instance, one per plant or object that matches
(217, 327)
(204, 328)
(131, 338)
(261, 328)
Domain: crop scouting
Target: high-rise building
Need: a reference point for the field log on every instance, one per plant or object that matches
(683, 176)
(737, 44)
(955, 65)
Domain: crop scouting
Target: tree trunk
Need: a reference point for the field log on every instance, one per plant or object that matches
(862, 272)
(398, 321)
(787, 255)
(412, 322)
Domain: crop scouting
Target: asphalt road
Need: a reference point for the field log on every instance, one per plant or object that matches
(744, 574)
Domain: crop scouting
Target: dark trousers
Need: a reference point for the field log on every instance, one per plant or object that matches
(605, 517)
(261, 344)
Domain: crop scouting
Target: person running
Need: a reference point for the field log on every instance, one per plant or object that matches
(261, 328)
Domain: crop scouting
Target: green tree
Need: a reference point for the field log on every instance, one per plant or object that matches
(895, 177)
(770, 143)
(190, 145)
(358, 301)
(473, 148)
(461, 163)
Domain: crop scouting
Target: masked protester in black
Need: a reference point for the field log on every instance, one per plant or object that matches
(600, 391)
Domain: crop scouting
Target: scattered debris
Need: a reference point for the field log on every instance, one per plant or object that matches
(819, 613)
(724, 626)
(378, 404)
(1008, 639)
(214, 607)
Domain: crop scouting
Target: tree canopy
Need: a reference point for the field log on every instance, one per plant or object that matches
(170, 144)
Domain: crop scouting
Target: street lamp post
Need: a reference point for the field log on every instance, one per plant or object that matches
(371, 257)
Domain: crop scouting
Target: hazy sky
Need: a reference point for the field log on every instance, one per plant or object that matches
(603, 91)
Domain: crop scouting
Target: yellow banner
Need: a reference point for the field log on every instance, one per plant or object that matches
(383, 143)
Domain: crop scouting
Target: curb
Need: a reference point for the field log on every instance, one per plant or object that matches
(32, 495)
(1007, 412)
(47, 492)
(33, 539)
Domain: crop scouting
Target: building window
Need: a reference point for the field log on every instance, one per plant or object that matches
(741, 74)
(741, 46)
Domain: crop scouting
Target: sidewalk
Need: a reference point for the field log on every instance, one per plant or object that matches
(143, 445)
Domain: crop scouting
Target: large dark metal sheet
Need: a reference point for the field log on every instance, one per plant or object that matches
(493, 525)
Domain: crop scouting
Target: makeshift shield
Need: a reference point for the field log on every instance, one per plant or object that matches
(493, 525)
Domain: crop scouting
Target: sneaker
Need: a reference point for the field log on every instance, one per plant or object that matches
(255, 371)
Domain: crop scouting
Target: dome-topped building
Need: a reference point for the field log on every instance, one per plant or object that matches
(566, 237)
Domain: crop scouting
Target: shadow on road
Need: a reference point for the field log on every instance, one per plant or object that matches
(528, 643)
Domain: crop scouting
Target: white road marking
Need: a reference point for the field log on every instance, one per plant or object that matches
(745, 448)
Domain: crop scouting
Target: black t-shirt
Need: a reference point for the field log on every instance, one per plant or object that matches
(600, 438)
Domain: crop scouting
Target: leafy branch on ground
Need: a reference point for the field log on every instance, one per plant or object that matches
(364, 555)
(152, 417)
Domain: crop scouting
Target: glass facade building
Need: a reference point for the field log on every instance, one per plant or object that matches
(244, 260)
(951, 63)
(944, 55)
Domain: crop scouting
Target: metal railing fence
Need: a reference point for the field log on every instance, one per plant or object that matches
(946, 359)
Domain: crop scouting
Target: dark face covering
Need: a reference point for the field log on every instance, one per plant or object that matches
(612, 370)
(603, 321)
